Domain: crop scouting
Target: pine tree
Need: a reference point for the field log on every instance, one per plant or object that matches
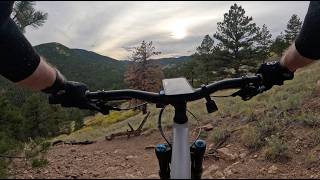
(10, 118)
(279, 45)
(143, 73)
(204, 58)
(24, 14)
(293, 28)
(33, 111)
(263, 43)
(188, 70)
(236, 35)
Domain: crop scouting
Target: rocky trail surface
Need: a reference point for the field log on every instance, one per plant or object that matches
(135, 158)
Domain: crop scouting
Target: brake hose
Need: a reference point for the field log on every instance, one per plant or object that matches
(161, 130)
(198, 121)
(160, 126)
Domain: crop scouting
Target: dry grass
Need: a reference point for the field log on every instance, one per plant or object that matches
(277, 149)
(218, 135)
(251, 138)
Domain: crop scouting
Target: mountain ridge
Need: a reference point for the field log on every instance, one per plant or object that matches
(95, 70)
(88, 51)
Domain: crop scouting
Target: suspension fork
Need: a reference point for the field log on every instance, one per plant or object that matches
(182, 161)
(164, 152)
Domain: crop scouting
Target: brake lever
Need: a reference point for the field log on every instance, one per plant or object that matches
(101, 107)
(249, 91)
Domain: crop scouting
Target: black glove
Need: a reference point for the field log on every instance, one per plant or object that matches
(67, 93)
(273, 73)
(72, 94)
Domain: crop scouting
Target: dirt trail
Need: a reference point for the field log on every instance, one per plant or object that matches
(122, 158)
(119, 158)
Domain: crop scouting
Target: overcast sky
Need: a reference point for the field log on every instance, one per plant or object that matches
(111, 28)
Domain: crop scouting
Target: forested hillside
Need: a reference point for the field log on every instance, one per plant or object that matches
(84, 66)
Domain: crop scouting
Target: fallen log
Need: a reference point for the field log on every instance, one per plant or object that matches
(73, 142)
(132, 131)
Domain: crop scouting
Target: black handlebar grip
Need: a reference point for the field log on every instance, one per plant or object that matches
(53, 99)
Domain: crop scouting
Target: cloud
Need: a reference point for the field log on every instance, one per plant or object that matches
(112, 28)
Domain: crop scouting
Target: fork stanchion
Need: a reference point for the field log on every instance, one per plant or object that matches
(197, 151)
(163, 153)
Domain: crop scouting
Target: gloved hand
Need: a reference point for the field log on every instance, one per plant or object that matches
(67, 93)
(72, 94)
(273, 73)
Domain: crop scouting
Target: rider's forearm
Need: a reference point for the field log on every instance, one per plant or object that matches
(307, 42)
(43, 77)
(293, 60)
(18, 59)
(306, 48)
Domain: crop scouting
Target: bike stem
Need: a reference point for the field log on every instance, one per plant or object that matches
(180, 113)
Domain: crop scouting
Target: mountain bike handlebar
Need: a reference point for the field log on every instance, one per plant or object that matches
(252, 82)
(180, 92)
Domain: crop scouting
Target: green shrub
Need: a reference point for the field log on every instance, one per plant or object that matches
(35, 147)
(203, 134)
(37, 163)
(277, 150)
(218, 135)
(267, 126)
(308, 119)
(251, 138)
(3, 169)
(42, 144)
(45, 146)
(8, 146)
(248, 115)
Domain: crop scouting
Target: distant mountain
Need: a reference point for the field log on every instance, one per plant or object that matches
(170, 62)
(97, 71)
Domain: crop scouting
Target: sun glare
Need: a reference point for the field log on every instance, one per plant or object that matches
(178, 31)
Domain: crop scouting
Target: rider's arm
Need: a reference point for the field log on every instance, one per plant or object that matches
(307, 45)
(18, 60)
(293, 60)
(21, 64)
